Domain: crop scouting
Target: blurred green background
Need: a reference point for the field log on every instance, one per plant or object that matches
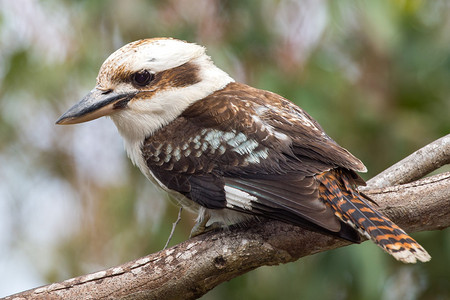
(375, 74)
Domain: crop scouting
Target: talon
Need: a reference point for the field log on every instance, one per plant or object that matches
(201, 226)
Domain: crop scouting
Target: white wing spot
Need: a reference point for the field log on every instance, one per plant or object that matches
(215, 143)
(254, 157)
(214, 137)
(246, 147)
(197, 138)
(237, 140)
(281, 136)
(177, 154)
(238, 198)
(228, 136)
(169, 149)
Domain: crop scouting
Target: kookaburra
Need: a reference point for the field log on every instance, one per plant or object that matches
(229, 151)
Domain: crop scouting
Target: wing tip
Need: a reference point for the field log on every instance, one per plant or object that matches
(360, 167)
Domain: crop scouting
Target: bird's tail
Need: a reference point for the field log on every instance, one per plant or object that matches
(338, 190)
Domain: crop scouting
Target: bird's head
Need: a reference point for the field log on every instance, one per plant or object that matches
(148, 83)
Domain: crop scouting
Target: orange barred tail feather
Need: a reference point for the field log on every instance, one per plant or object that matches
(338, 189)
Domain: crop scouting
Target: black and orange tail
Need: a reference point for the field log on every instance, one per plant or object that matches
(337, 188)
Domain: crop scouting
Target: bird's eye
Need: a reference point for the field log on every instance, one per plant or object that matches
(142, 78)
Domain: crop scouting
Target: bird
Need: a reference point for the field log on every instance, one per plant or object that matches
(232, 153)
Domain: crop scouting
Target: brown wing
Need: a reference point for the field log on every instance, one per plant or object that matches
(273, 120)
(255, 142)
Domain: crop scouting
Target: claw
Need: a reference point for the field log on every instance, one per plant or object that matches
(201, 226)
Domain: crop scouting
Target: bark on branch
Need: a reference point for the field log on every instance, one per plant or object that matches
(192, 268)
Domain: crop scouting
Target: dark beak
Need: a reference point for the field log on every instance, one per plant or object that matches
(94, 105)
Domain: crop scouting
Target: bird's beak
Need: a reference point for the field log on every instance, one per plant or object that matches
(96, 104)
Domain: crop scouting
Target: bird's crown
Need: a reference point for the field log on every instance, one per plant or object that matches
(154, 55)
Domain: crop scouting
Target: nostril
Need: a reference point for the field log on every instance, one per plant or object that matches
(105, 92)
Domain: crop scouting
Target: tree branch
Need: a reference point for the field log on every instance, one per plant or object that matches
(416, 165)
(192, 268)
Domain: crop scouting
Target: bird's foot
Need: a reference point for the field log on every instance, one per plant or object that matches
(201, 226)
